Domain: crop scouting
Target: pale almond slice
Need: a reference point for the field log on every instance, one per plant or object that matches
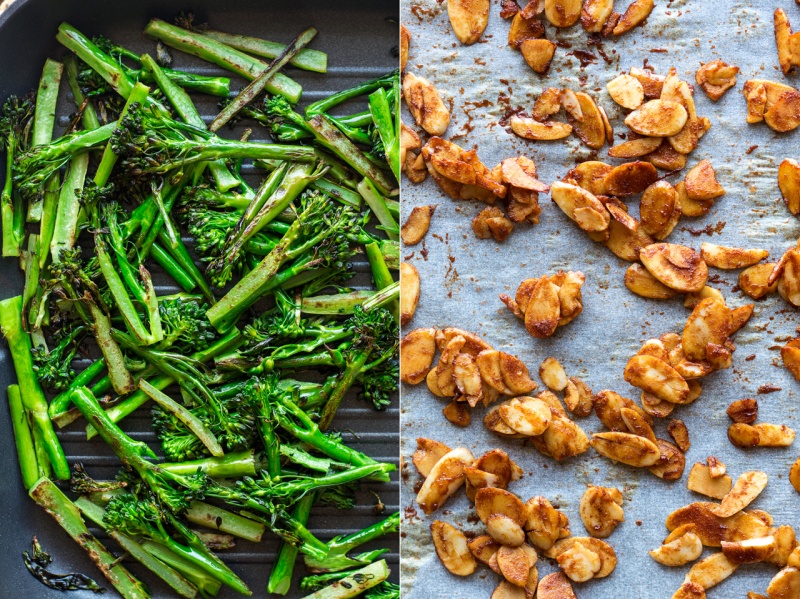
(754, 281)
(724, 257)
(773, 89)
(760, 435)
(417, 349)
(635, 148)
(690, 590)
(417, 224)
(526, 415)
(601, 511)
(788, 271)
(562, 13)
(524, 28)
(445, 478)
(473, 344)
(543, 311)
(701, 182)
(789, 183)
(564, 439)
(608, 407)
(513, 564)
(591, 128)
(538, 54)
(756, 98)
(468, 19)
(542, 522)
(786, 546)
(578, 397)
(409, 140)
(639, 280)
(782, 33)
(626, 448)
(570, 297)
(630, 178)
(577, 203)
(657, 118)
(552, 374)
(595, 13)
(496, 424)
(579, 563)
(425, 104)
(684, 549)
(405, 42)
(444, 383)
(785, 583)
(451, 547)
(547, 104)
(532, 129)
(656, 377)
(711, 571)
(569, 101)
(478, 479)
(784, 115)
(589, 175)
(409, 292)
(608, 558)
(637, 423)
(749, 551)
(492, 500)
(555, 586)
(658, 205)
(748, 486)
(626, 91)
(428, 453)
(677, 266)
(467, 378)
(504, 530)
(634, 15)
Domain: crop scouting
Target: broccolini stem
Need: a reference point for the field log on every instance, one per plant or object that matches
(381, 275)
(336, 304)
(346, 380)
(47, 494)
(354, 583)
(19, 344)
(280, 579)
(26, 452)
(217, 518)
(69, 207)
(306, 59)
(165, 260)
(366, 87)
(234, 464)
(88, 115)
(385, 124)
(59, 405)
(377, 204)
(208, 586)
(221, 55)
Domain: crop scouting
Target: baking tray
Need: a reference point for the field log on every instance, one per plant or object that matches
(360, 38)
(462, 277)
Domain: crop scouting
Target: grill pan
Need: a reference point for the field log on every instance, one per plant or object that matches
(360, 38)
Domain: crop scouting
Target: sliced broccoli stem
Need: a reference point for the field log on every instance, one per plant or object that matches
(280, 579)
(354, 583)
(336, 304)
(339, 547)
(306, 59)
(47, 494)
(381, 275)
(19, 344)
(26, 452)
(235, 464)
(217, 518)
(50, 209)
(366, 87)
(165, 260)
(69, 207)
(60, 404)
(221, 55)
(208, 586)
(88, 115)
(377, 204)
(385, 124)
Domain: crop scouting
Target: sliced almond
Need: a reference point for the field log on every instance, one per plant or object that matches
(579, 563)
(515, 374)
(630, 178)
(532, 129)
(409, 292)
(626, 91)
(716, 77)
(785, 584)
(409, 140)
(578, 397)
(794, 475)
(786, 550)
(405, 42)
(657, 118)
(590, 128)
(595, 13)
(467, 379)
(724, 257)
(417, 349)
(671, 461)
(428, 453)
(552, 374)
(513, 564)
(601, 511)
(445, 385)
(457, 413)
(451, 547)
(710, 571)
(542, 522)
(496, 424)
(680, 434)
(538, 54)
(784, 115)
(626, 242)
(790, 354)
(789, 183)
(708, 324)
(417, 224)
(490, 501)
(788, 271)
(666, 158)
(639, 280)
(760, 435)
(608, 407)
(712, 529)
(562, 13)
(555, 586)
(656, 377)
(488, 362)
(514, 174)
(543, 311)
(445, 478)
(658, 204)
(526, 415)
(626, 448)
(581, 206)
(634, 15)
(524, 28)
(425, 104)
(504, 530)
(747, 487)
(589, 175)
(754, 281)
(701, 182)
(608, 559)
(483, 547)
(690, 590)
(548, 103)
(468, 19)
(783, 31)
(749, 551)
(564, 439)
(635, 148)
(684, 549)
(677, 266)
(473, 344)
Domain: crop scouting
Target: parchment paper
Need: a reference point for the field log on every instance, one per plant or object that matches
(462, 277)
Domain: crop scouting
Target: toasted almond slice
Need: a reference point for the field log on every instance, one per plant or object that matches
(542, 522)
(409, 140)
(568, 99)
(483, 547)
(743, 410)
(710, 571)
(552, 374)
(657, 206)
(489, 364)
(498, 463)
(409, 288)
(634, 15)
(579, 563)
(564, 439)
(570, 297)
(690, 590)
(548, 103)
(626, 91)
(666, 158)
(608, 559)
(635, 148)
(791, 359)
(468, 19)
(504, 530)
(712, 529)
(524, 28)
(747, 487)
(417, 349)
(514, 174)
(467, 378)
(671, 461)
(405, 42)
(526, 415)
(543, 311)
(716, 77)
(445, 478)
(538, 54)
(577, 203)
(589, 175)
(709, 323)
(496, 424)
(786, 544)
(773, 89)
(428, 453)
(595, 13)
(515, 374)
(513, 564)
(608, 406)
(457, 413)
(677, 266)
(656, 377)
(626, 448)
(425, 104)
(784, 115)
(500, 227)
(590, 128)
(754, 281)
(555, 586)
(417, 224)
(473, 344)
(789, 183)
(601, 511)
(760, 435)
(794, 476)
(637, 423)
(491, 500)
(756, 97)
(782, 33)
(451, 547)
(679, 433)
(626, 242)
(578, 397)
(720, 256)
(562, 13)
(785, 583)
(532, 129)
(749, 551)
(630, 178)
(691, 207)
(639, 280)
(679, 552)
(657, 118)
(444, 369)
(788, 271)
(701, 183)
(652, 84)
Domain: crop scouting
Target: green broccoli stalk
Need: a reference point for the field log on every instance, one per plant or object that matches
(339, 547)
(15, 121)
(325, 105)
(280, 578)
(26, 451)
(355, 583)
(387, 126)
(33, 399)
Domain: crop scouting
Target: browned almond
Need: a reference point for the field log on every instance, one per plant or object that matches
(451, 547)
(409, 287)
(590, 128)
(701, 481)
(709, 323)
(671, 461)
(578, 397)
(425, 104)
(627, 91)
(601, 511)
(457, 413)
(608, 558)
(543, 310)
(532, 129)
(679, 433)
(552, 374)
(427, 454)
(634, 15)
(716, 77)
(754, 281)
(658, 205)
(635, 148)
(749, 551)
(626, 242)
(555, 586)
(528, 416)
(785, 583)
(712, 529)
(405, 42)
(417, 224)
(690, 590)
(701, 182)
(547, 104)
(784, 115)
(444, 479)
(639, 280)
(626, 448)
(514, 174)
(595, 13)
(483, 547)
(491, 501)
(564, 439)
(468, 19)
(523, 28)
(504, 530)
(677, 266)
(652, 84)
(630, 178)
(513, 565)
(724, 257)
(783, 31)
(794, 475)
(789, 183)
(682, 550)
(589, 175)
(747, 487)
(538, 54)
(666, 158)
(417, 349)
(473, 344)
(657, 118)
(656, 377)
(760, 435)
(608, 406)
(710, 571)
(499, 227)
(562, 13)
